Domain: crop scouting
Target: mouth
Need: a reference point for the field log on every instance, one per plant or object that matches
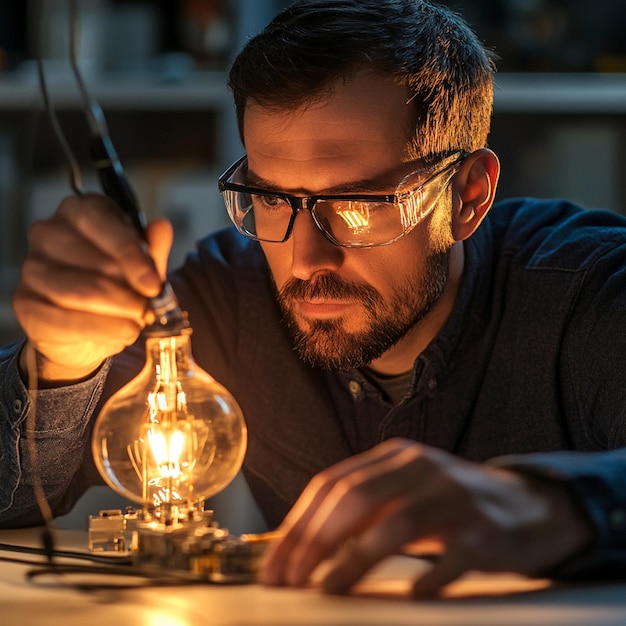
(319, 308)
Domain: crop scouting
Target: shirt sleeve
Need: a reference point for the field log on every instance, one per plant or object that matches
(56, 423)
(597, 481)
(593, 394)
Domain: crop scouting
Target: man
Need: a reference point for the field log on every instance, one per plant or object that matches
(438, 343)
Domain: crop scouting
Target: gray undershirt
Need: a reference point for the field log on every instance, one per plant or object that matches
(395, 387)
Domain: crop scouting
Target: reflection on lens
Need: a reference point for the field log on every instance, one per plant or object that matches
(356, 216)
(411, 209)
(358, 223)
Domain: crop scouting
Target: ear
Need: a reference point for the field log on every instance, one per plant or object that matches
(474, 191)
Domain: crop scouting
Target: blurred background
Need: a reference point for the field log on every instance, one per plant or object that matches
(157, 67)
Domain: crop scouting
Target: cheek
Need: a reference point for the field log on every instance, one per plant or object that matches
(390, 267)
(439, 229)
(279, 261)
(406, 261)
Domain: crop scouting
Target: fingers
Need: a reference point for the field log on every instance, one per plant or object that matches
(421, 510)
(78, 290)
(85, 282)
(46, 320)
(160, 235)
(326, 481)
(95, 225)
(95, 282)
(361, 552)
(338, 504)
(448, 568)
(298, 520)
(404, 494)
(85, 258)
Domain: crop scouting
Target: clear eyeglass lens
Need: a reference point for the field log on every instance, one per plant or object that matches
(358, 222)
(270, 215)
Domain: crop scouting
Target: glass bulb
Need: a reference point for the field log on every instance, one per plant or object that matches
(173, 436)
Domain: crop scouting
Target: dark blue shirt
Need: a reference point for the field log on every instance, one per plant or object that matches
(529, 371)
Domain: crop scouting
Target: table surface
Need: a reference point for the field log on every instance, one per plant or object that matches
(381, 600)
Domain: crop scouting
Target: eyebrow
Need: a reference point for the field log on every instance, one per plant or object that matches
(365, 185)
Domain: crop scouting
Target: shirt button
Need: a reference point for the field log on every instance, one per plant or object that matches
(432, 384)
(355, 388)
(17, 405)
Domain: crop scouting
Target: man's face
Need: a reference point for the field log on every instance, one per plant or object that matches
(347, 307)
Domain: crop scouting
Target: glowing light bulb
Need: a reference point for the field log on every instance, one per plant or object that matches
(173, 436)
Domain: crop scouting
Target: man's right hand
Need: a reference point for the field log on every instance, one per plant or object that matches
(84, 286)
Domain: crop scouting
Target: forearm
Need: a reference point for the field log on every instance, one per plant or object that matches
(53, 422)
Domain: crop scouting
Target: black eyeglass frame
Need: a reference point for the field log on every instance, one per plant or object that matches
(298, 203)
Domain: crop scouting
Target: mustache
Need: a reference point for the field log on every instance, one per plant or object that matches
(327, 286)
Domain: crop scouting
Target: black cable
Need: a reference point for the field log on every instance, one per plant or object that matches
(8, 559)
(114, 566)
(75, 175)
(66, 554)
(144, 577)
(47, 533)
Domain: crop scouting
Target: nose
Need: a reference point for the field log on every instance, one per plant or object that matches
(312, 253)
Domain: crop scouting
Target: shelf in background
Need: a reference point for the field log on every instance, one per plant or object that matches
(560, 93)
(514, 93)
(200, 91)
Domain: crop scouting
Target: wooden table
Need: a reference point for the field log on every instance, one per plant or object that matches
(381, 600)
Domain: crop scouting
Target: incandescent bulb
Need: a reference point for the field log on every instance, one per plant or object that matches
(173, 436)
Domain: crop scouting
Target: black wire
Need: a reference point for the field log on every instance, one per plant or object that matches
(8, 559)
(121, 567)
(74, 169)
(47, 533)
(144, 577)
(69, 554)
(102, 566)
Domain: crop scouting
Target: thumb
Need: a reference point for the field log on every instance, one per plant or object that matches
(159, 236)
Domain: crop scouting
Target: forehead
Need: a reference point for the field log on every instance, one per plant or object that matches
(358, 131)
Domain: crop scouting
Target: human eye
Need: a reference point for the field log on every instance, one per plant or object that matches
(270, 203)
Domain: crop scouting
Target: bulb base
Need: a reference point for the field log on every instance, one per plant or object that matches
(165, 315)
(196, 547)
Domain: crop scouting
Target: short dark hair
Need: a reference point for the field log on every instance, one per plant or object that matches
(312, 44)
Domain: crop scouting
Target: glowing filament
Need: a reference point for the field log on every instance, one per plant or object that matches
(159, 402)
(167, 452)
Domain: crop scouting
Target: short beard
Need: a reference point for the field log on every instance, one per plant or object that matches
(326, 344)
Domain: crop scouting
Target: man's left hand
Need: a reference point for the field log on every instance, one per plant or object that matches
(403, 495)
